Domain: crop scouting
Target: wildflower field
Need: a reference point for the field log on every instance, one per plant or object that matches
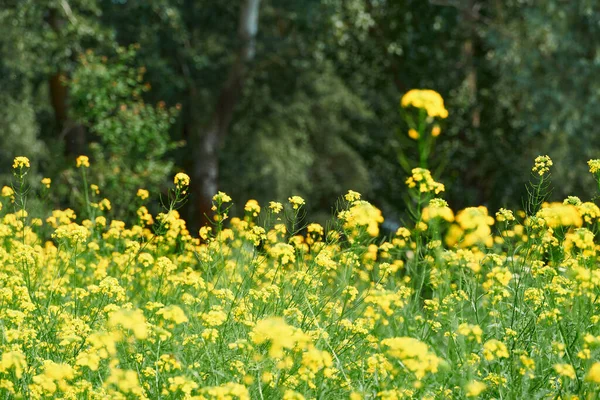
(267, 305)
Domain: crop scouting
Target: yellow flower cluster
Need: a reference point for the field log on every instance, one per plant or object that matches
(559, 214)
(594, 166)
(283, 309)
(296, 202)
(221, 197)
(472, 227)
(82, 161)
(279, 335)
(475, 388)
(21, 162)
(493, 349)
(542, 165)
(362, 214)
(414, 354)
(276, 207)
(252, 207)
(422, 180)
(181, 180)
(504, 215)
(429, 100)
(438, 208)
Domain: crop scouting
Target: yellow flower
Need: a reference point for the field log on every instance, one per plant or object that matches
(504, 215)
(594, 166)
(279, 334)
(54, 377)
(185, 384)
(57, 372)
(221, 197)
(362, 213)
(559, 214)
(413, 134)
(73, 233)
(21, 162)
(473, 227)
(292, 395)
(94, 188)
(173, 313)
(143, 194)
(228, 390)
(422, 180)
(181, 180)
(593, 374)
(296, 202)
(436, 130)
(438, 208)
(284, 252)
(14, 359)
(7, 192)
(133, 320)
(475, 388)
(46, 182)
(429, 100)
(528, 366)
(414, 354)
(493, 349)
(352, 196)
(252, 207)
(214, 317)
(104, 205)
(472, 332)
(542, 165)
(83, 161)
(127, 381)
(565, 370)
(275, 206)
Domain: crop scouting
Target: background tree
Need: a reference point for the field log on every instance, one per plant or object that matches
(308, 102)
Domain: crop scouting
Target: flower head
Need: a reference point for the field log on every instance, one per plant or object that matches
(594, 166)
(275, 206)
(542, 165)
(143, 194)
(21, 162)
(593, 374)
(493, 349)
(565, 370)
(221, 197)
(352, 196)
(83, 161)
(296, 202)
(475, 388)
(181, 180)
(252, 207)
(429, 100)
(504, 215)
(421, 178)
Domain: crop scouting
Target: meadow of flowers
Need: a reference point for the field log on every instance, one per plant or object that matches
(459, 305)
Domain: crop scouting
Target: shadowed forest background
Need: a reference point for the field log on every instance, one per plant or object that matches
(265, 99)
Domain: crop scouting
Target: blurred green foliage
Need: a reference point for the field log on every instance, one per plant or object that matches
(130, 138)
(318, 113)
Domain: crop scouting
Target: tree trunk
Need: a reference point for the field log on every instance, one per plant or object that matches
(469, 16)
(209, 137)
(72, 133)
